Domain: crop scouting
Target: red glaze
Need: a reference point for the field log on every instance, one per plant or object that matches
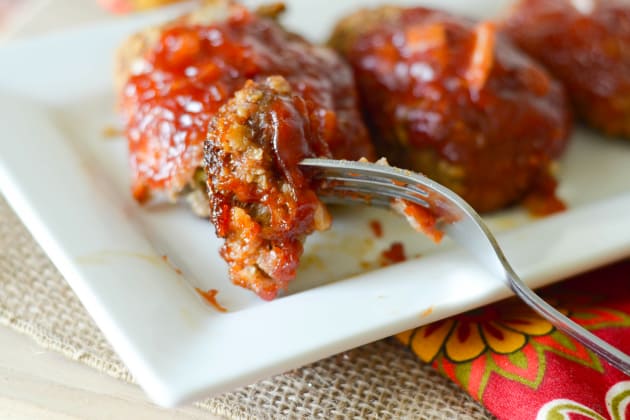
(394, 254)
(588, 49)
(455, 100)
(542, 201)
(194, 69)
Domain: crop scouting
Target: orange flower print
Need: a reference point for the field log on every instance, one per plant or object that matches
(503, 328)
(507, 341)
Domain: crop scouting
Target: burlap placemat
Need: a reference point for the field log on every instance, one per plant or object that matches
(380, 380)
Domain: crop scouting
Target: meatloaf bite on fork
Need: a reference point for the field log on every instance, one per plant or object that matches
(173, 79)
(261, 202)
(454, 99)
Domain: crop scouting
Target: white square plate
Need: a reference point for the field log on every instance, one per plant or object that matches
(69, 184)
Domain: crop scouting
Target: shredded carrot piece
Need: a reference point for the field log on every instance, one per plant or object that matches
(482, 57)
(420, 218)
(425, 37)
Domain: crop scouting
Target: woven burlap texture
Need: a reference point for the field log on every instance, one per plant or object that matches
(381, 380)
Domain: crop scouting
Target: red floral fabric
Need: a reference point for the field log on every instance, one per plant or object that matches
(520, 367)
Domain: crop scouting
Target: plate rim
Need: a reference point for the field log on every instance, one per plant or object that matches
(167, 387)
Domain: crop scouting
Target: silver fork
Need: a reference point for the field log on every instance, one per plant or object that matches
(345, 182)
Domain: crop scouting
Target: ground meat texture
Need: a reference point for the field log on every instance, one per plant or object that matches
(175, 78)
(453, 99)
(586, 44)
(261, 203)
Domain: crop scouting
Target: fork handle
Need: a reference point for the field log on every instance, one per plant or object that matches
(611, 354)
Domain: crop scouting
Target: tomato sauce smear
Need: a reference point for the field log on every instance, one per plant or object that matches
(210, 296)
(394, 254)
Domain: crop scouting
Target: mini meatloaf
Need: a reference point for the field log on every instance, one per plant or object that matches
(174, 78)
(455, 100)
(261, 202)
(586, 44)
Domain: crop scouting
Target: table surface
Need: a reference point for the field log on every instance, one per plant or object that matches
(39, 384)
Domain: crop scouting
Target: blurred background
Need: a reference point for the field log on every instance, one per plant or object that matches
(25, 18)
(34, 17)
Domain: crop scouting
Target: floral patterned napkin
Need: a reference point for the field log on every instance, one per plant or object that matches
(520, 367)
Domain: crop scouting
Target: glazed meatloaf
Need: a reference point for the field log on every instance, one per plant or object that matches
(586, 44)
(453, 99)
(261, 202)
(172, 79)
